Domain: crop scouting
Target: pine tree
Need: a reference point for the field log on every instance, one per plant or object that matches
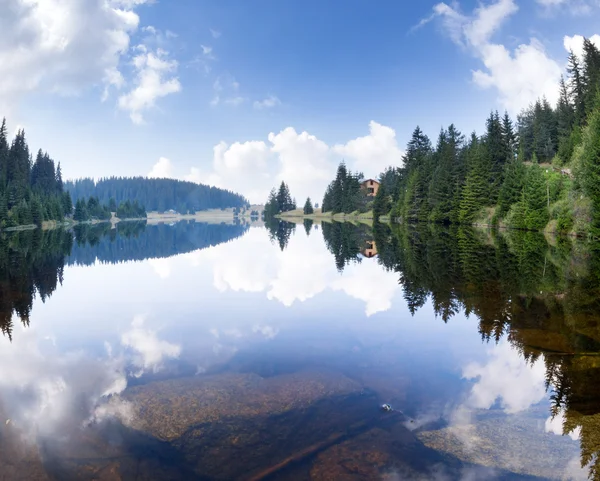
(565, 116)
(591, 167)
(509, 137)
(37, 213)
(80, 214)
(497, 153)
(272, 206)
(475, 192)
(577, 88)
(4, 152)
(591, 74)
(383, 202)
(67, 203)
(59, 179)
(443, 186)
(308, 208)
(512, 187)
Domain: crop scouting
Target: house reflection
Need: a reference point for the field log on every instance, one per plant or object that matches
(369, 249)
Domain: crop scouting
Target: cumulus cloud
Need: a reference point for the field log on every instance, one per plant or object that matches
(519, 76)
(301, 159)
(162, 169)
(150, 351)
(575, 44)
(155, 78)
(373, 152)
(67, 46)
(507, 378)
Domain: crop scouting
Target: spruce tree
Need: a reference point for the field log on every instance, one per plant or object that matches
(382, 203)
(308, 208)
(475, 193)
(497, 153)
(512, 187)
(535, 196)
(565, 117)
(591, 74)
(591, 167)
(4, 152)
(577, 85)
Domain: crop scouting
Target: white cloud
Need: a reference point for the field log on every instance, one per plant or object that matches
(508, 378)
(268, 103)
(575, 44)
(285, 276)
(162, 267)
(162, 169)
(63, 46)
(374, 152)
(150, 350)
(155, 78)
(215, 33)
(519, 76)
(555, 425)
(41, 386)
(300, 159)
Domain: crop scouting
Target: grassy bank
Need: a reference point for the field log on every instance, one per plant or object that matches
(298, 214)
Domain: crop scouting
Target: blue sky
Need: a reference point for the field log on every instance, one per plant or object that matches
(244, 94)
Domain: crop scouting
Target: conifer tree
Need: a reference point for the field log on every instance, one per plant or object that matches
(591, 167)
(591, 74)
(308, 208)
(577, 88)
(512, 187)
(476, 188)
(497, 153)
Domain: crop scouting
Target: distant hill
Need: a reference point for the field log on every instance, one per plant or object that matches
(156, 194)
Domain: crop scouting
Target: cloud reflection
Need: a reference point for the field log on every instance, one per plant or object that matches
(507, 378)
(300, 272)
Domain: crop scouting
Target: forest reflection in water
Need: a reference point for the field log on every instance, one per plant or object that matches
(32, 261)
(541, 296)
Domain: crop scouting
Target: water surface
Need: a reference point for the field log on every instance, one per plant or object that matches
(213, 352)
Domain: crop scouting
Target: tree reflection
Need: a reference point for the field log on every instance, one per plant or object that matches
(32, 262)
(279, 231)
(544, 297)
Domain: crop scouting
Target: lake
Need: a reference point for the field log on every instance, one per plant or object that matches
(200, 351)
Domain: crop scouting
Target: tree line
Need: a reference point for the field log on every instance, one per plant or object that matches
(541, 172)
(31, 191)
(156, 194)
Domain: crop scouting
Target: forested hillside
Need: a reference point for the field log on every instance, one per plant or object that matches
(30, 191)
(156, 194)
(542, 171)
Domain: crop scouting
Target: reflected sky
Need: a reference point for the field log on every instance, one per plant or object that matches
(247, 306)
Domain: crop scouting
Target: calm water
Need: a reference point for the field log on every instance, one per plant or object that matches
(215, 352)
